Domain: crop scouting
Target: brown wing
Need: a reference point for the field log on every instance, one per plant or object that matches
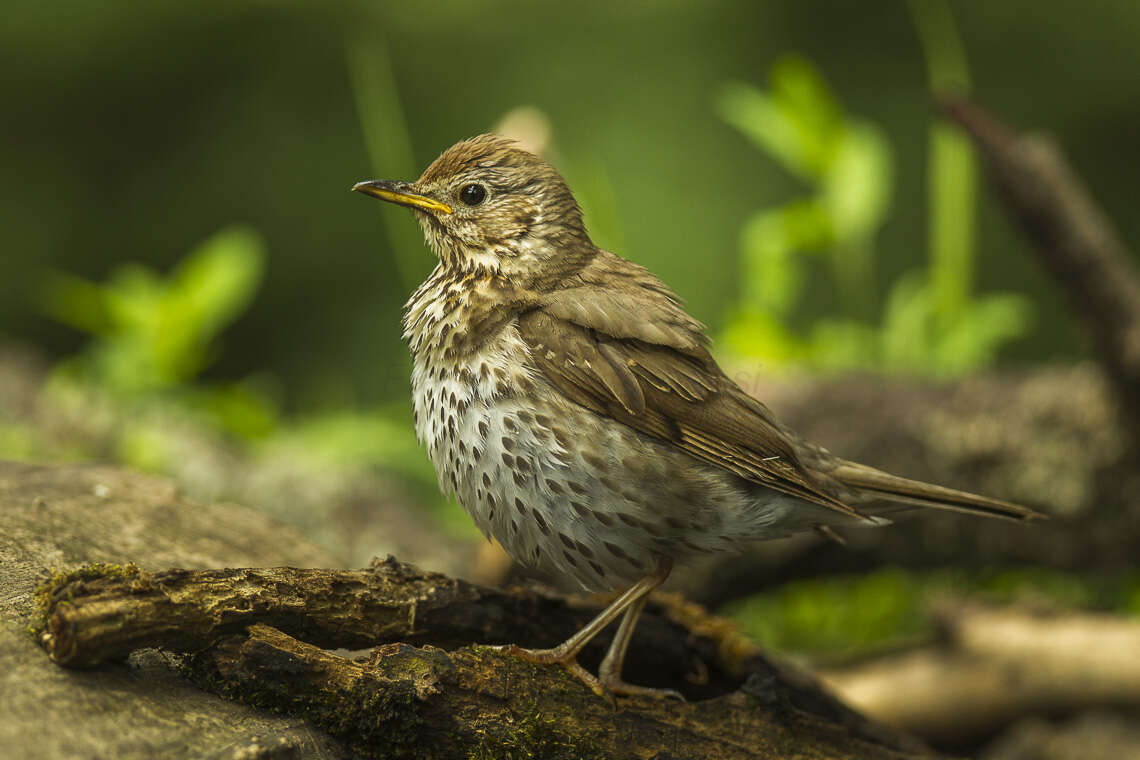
(615, 339)
(676, 395)
(620, 299)
(904, 493)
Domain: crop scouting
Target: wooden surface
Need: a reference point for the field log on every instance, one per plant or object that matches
(263, 637)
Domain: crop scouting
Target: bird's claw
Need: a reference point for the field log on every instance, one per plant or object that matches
(602, 687)
(540, 656)
(622, 689)
(555, 656)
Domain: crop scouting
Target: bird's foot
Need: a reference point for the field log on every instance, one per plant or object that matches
(557, 655)
(623, 689)
(604, 686)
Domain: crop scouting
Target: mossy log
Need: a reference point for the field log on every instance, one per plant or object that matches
(428, 689)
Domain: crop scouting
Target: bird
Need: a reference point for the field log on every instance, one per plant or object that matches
(572, 406)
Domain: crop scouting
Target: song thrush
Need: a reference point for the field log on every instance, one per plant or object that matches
(571, 404)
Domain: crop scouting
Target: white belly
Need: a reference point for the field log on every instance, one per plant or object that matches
(568, 491)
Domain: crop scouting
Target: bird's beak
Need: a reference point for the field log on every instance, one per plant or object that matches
(401, 193)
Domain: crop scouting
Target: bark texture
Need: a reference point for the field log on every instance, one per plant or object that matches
(275, 643)
(63, 516)
(262, 636)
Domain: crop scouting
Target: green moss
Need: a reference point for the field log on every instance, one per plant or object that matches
(378, 718)
(382, 718)
(531, 736)
(835, 617)
(841, 618)
(47, 595)
(389, 717)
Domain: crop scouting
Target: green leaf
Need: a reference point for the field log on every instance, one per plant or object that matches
(802, 94)
(388, 141)
(773, 277)
(756, 333)
(359, 438)
(208, 290)
(843, 344)
(906, 331)
(77, 303)
(216, 282)
(988, 323)
(762, 120)
(154, 333)
(799, 123)
(857, 187)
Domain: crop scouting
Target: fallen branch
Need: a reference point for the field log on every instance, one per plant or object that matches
(996, 666)
(98, 616)
(261, 635)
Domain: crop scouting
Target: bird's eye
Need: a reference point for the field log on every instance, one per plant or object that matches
(473, 194)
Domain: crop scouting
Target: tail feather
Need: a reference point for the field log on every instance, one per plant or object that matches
(878, 484)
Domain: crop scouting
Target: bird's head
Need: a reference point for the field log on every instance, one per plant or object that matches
(488, 205)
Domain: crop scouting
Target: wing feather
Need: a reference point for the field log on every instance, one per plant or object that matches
(615, 339)
(679, 397)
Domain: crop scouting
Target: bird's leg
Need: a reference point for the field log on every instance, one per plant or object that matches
(609, 674)
(566, 653)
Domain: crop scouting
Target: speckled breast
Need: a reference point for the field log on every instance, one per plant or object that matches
(560, 487)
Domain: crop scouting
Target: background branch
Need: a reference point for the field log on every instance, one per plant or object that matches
(1074, 239)
(996, 665)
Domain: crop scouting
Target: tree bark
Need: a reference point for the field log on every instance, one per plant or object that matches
(261, 636)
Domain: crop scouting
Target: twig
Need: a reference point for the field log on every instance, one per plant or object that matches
(1074, 239)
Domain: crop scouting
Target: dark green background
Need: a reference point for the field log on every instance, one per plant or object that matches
(134, 130)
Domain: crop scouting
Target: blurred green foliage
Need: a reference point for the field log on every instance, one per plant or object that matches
(155, 333)
(932, 323)
(153, 336)
(385, 133)
(838, 619)
(126, 143)
(847, 164)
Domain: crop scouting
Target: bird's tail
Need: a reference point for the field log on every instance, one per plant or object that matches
(877, 484)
